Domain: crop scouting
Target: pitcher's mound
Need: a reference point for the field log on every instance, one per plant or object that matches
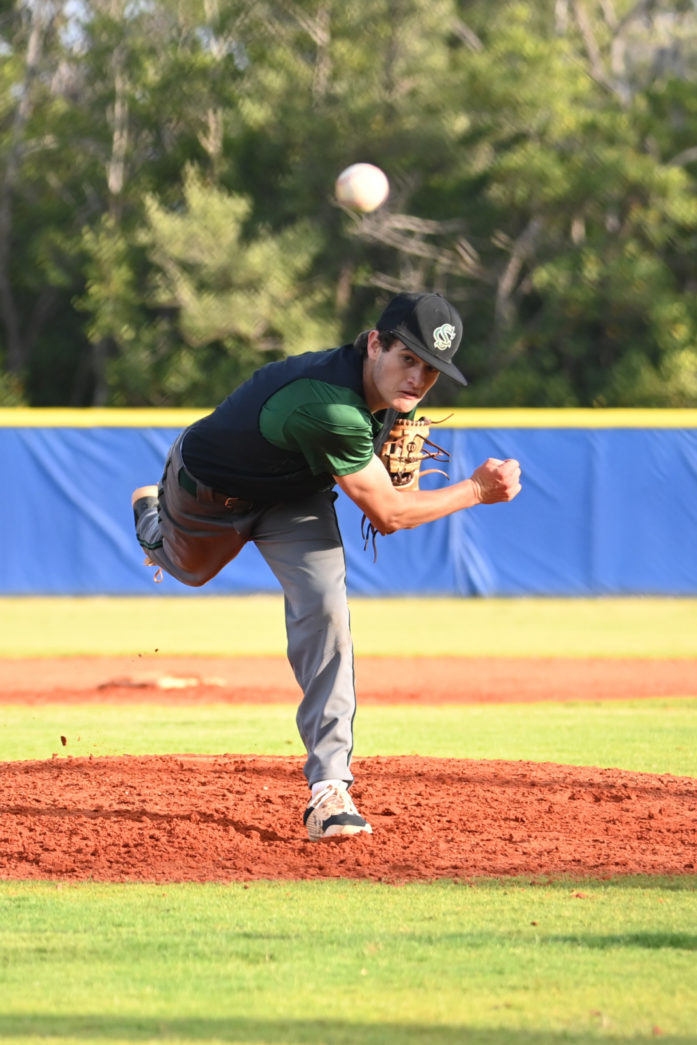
(229, 818)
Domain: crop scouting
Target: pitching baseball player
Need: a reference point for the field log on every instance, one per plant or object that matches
(262, 467)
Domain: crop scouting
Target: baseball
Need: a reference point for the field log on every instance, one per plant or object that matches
(363, 187)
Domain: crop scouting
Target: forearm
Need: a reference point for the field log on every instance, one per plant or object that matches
(405, 509)
(390, 509)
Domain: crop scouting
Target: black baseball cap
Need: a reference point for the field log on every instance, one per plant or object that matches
(429, 326)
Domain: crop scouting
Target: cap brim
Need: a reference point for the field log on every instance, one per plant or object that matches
(449, 369)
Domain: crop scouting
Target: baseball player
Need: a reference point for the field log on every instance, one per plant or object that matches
(262, 467)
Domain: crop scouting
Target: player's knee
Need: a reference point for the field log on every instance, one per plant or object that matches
(193, 575)
(193, 582)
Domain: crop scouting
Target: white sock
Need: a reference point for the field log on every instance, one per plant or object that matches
(321, 784)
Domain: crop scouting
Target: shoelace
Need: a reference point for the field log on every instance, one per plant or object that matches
(335, 799)
(158, 575)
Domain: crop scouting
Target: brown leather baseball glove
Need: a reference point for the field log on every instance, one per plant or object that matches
(407, 446)
(404, 450)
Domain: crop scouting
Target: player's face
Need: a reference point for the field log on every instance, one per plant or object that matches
(399, 378)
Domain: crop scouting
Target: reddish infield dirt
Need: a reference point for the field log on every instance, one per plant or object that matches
(227, 818)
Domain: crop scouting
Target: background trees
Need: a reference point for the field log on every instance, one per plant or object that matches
(166, 212)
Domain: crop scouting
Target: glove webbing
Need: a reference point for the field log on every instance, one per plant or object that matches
(436, 454)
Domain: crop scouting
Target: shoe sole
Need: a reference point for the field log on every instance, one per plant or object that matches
(342, 830)
(141, 505)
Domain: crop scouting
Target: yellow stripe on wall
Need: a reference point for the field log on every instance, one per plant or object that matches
(99, 417)
(149, 417)
(568, 418)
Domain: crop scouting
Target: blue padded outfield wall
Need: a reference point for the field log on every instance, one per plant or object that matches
(609, 507)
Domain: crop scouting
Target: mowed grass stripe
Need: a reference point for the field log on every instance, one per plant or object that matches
(249, 625)
(514, 963)
(649, 736)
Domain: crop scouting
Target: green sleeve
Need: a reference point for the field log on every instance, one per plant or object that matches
(331, 427)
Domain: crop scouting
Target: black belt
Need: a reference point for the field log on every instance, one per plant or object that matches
(188, 483)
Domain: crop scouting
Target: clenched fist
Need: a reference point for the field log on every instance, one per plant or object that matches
(496, 480)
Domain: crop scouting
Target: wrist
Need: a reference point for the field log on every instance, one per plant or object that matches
(476, 493)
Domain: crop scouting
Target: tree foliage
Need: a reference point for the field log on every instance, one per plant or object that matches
(166, 211)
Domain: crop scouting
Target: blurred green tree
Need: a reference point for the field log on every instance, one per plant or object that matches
(166, 174)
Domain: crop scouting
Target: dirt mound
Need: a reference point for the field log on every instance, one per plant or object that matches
(230, 818)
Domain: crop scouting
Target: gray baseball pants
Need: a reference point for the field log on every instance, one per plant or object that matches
(192, 535)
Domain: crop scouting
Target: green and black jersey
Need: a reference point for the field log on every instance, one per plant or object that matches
(288, 430)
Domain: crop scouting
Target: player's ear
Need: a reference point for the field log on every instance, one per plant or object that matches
(374, 346)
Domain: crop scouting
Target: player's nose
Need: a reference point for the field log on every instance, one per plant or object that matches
(421, 375)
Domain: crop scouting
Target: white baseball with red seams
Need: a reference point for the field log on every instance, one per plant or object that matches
(363, 187)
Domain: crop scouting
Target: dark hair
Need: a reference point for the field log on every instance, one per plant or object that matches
(385, 337)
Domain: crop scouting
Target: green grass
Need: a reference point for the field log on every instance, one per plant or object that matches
(334, 962)
(651, 736)
(206, 625)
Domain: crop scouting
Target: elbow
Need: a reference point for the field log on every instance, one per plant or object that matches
(389, 521)
(379, 523)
